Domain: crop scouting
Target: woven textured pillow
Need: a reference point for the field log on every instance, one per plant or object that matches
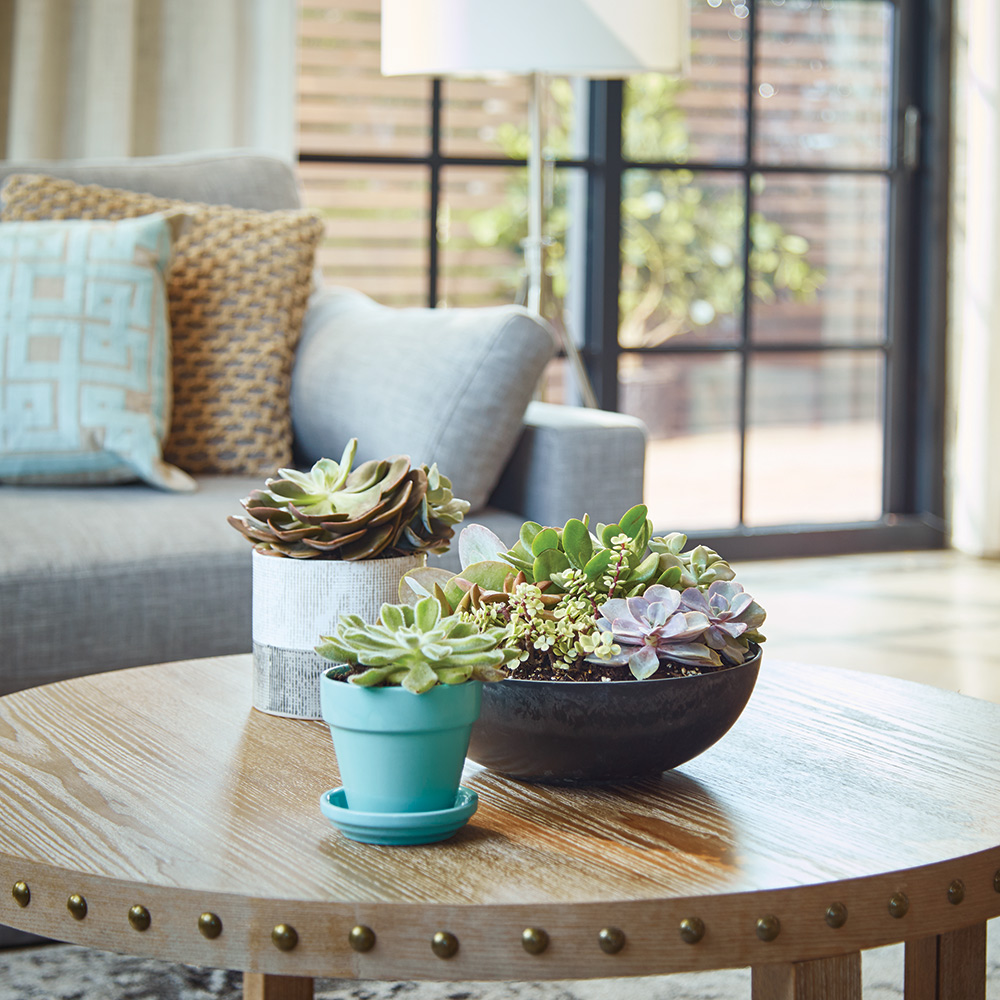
(237, 291)
(85, 351)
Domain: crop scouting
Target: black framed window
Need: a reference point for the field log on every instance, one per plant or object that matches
(752, 258)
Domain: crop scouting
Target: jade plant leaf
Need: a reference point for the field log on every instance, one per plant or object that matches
(527, 534)
(598, 564)
(634, 520)
(546, 539)
(550, 561)
(607, 532)
(577, 543)
(646, 570)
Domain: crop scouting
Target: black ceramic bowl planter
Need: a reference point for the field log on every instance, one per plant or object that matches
(589, 732)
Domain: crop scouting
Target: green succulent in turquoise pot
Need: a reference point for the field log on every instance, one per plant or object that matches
(401, 703)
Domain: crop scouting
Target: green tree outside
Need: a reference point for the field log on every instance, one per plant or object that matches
(682, 237)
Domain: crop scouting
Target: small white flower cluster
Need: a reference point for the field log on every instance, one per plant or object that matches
(566, 633)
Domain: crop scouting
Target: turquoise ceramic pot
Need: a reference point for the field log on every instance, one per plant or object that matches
(398, 751)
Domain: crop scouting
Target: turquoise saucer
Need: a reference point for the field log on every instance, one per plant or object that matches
(398, 828)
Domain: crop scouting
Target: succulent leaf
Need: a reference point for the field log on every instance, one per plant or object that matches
(634, 520)
(733, 617)
(476, 543)
(647, 569)
(426, 614)
(392, 616)
(598, 564)
(546, 539)
(527, 533)
(489, 575)
(548, 563)
(577, 543)
(421, 582)
(606, 532)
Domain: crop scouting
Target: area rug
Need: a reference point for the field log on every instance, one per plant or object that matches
(69, 972)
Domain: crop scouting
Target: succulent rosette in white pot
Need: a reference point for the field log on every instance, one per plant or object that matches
(330, 541)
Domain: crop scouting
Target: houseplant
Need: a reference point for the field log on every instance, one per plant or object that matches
(632, 654)
(400, 706)
(328, 541)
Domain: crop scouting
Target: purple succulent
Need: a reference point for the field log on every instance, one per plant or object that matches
(654, 626)
(730, 611)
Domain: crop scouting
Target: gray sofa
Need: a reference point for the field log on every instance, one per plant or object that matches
(103, 577)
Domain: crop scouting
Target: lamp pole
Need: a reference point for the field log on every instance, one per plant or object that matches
(534, 245)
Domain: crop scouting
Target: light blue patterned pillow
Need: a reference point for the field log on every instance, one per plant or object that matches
(85, 387)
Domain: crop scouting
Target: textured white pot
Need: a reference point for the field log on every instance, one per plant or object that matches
(295, 601)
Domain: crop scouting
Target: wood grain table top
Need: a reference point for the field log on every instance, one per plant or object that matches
(160, 786)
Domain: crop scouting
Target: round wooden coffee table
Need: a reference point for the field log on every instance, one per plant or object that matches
(152, 811)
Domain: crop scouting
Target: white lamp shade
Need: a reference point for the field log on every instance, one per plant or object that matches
(594, 38)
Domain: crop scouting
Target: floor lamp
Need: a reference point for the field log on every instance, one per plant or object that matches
(539, 38)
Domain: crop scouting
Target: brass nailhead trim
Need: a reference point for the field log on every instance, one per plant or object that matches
(956, 892)
(692, 929)
(21, 894)
(210, 925)
(361, 938)
(139, 918)
(898, 905)
(611, 940)
(284, 937)
(77, 906)
(768, 928)
(836, 915)
(444, 944)
(534, 940)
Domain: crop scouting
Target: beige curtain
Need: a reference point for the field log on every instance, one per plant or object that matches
(98, 78)
(974, 466)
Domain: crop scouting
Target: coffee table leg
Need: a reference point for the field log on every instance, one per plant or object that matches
(821, 979)
(261, 986)
(947, 967)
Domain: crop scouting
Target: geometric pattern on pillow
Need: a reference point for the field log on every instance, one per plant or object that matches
(237, 291)
(85, 352)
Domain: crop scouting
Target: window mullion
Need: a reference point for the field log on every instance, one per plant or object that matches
(603, 254)
(434, 198)
(745, 326)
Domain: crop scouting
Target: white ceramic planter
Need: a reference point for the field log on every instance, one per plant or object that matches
(295, 601)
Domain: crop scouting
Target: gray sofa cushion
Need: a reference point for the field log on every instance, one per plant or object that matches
(446, 386)
(571, 461)
(97, 578)
(120, 576)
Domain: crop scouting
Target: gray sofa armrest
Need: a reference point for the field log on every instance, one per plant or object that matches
(570, 461)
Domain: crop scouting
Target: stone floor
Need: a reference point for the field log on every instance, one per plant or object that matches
(931, 617)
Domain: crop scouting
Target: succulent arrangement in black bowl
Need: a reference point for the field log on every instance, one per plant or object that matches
(632, 654)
